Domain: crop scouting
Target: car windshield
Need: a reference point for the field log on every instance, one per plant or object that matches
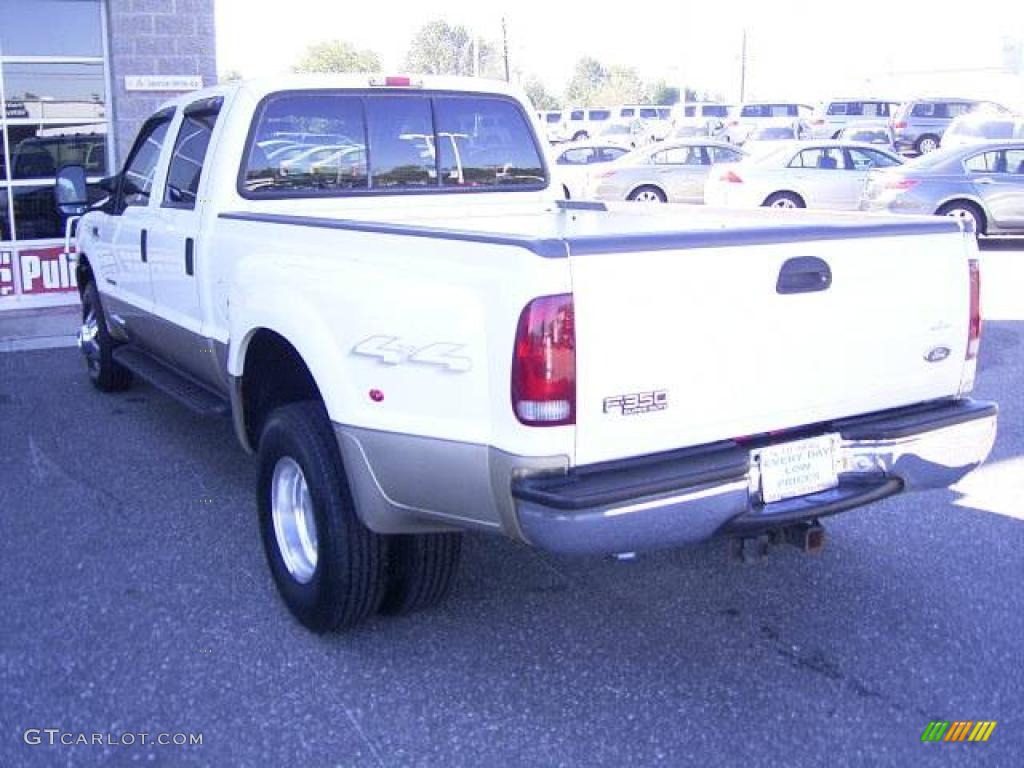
(989, 129)
(774, 133)
(877, 136)
(932, 159)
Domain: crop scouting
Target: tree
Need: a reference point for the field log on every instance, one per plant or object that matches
(538, 94)
(338, 56)
(588, 77)
(663, 93)
(440, 48)
(622, 86)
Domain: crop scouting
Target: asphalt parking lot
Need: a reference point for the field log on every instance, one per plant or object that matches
(135, 599)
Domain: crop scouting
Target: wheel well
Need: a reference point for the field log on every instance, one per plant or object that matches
(788, 193)
(638, 187)
(83, 273)
(968, 203)
(274, 375)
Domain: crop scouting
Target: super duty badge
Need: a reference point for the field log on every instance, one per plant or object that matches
(637, 402)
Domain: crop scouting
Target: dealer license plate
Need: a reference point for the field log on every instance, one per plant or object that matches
(798, 468)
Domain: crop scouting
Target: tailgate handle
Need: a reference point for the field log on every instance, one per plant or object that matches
(804, 274)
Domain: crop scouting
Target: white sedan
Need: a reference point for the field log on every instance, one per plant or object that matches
(573, 163)
(816, 174)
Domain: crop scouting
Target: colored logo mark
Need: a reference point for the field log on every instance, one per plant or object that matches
(959, 730)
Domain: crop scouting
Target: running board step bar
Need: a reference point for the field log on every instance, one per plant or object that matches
(181, 387)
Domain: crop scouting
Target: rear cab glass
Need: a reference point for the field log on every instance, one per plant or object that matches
(333, 143)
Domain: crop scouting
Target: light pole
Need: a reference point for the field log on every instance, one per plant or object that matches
(743, 67)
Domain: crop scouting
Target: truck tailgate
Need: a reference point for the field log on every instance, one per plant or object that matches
(688, 343)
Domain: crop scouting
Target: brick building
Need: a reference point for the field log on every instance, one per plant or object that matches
(77, 79)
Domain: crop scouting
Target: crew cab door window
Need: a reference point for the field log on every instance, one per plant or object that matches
(137, 182)
(189, 154)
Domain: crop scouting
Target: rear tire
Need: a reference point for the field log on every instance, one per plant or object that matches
(964, 209)
(329, 568)
(647, 194)
(580, 136)
(97, 346)
(421, 570)
(784, 200)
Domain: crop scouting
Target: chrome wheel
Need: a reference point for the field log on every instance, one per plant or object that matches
(88, 339)
(926, 145)
(294, 524)
(784, 202)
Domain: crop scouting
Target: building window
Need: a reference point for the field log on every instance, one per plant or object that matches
(54, 111)
(51, 28)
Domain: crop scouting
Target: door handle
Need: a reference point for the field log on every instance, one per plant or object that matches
(985, 180)
(142, 246)
(190, 248)
(804, 274)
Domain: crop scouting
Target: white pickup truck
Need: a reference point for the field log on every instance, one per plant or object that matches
(375, 279)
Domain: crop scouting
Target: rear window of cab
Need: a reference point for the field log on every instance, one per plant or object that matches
(338, 143)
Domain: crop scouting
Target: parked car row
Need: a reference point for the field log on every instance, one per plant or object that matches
(912, 127)
(983, 183)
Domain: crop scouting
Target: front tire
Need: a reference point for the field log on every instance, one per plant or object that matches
(329, 568)
(97, 346)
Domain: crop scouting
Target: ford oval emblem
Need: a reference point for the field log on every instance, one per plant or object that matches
(937, 354)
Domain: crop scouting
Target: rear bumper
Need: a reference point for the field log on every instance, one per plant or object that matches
(689, 496)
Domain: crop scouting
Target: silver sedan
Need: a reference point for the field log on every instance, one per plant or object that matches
(983, 183)
(673, 171)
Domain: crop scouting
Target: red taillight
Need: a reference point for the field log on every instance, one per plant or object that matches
(397, 82)
(974, 323)
(544, 363)
(731, 177)
(900, 125)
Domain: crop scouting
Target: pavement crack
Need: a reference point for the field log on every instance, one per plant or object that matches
(362, 735)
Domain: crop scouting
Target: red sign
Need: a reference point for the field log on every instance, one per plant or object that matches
(6, 273)
(45, 270)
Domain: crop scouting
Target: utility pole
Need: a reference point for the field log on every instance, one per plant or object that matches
(743, 67)
(504, 40)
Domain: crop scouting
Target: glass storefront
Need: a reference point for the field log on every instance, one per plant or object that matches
(54, 111)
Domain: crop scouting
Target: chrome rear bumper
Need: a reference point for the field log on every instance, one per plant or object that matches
(690, 496)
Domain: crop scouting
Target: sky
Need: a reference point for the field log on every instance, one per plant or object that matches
(796, 49)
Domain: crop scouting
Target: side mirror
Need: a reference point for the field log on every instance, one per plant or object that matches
(70, 192)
